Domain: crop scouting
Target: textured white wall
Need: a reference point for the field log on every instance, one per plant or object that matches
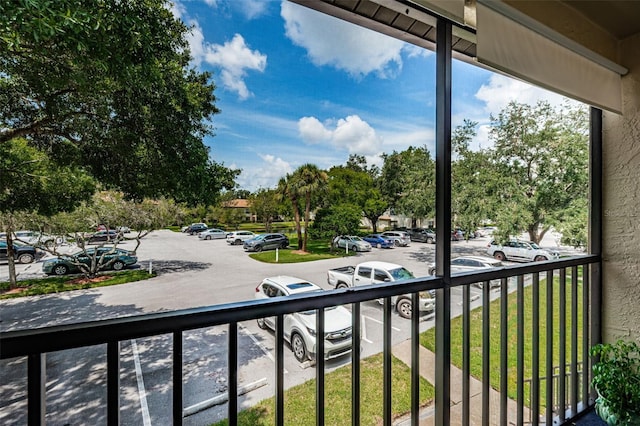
(621, 204)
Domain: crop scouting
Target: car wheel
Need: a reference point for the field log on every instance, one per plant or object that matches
(342, 285)
(396, 243)
(284, 245)
(354, 248)
(298, 347)
(499, 255)
(118, 265)
(237, 242)
(404, 308)
(261, 323)
(430, 240)
(379, 245)
(208, 237)
(26, 258)
(540, 259)
(258, 248)
(60, 270)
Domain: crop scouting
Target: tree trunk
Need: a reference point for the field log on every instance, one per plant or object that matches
(307, 209)
(296, 217)
(13, 279)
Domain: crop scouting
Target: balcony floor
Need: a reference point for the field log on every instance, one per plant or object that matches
(589, 419)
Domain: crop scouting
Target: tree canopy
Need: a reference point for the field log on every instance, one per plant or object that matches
(108, 85)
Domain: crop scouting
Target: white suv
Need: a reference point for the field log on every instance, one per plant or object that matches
(518, 250)
(300, 327)
(238, 237)
(399, 238)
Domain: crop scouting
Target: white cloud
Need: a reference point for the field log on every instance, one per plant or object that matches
(265, 174)
(501, 90)
(331, 41)
(251, 9)
(234, 58)
(351, 134)
(312, 131)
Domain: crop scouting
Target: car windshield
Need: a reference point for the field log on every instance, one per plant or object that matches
(259, 237)
(534, 246)
(400, 274)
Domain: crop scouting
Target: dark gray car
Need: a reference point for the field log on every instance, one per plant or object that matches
(423, 235)
(266, 242)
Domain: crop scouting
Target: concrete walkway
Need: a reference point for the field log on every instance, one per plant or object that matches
(427, 414)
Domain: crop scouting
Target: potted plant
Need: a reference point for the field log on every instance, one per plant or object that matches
(616, 379)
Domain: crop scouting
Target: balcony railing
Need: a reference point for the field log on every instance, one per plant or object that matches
(564, 290)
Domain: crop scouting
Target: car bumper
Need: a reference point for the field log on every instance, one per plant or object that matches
(333, 349)
(427, 305)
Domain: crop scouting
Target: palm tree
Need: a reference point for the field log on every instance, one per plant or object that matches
(287, 188)
(310, 180)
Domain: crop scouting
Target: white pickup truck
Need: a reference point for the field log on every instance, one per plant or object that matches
(380, 272)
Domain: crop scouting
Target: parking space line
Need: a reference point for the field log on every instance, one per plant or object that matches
(380, 322)
(363, 327)
(146, 418)
(258, 344)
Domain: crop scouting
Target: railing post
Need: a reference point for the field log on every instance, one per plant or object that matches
(320, 367)
(177, 378)
(386, 354)
(36, 389)
(443, 220)
(355, 364)
(232, 365)
(279, 370)
(113, 383)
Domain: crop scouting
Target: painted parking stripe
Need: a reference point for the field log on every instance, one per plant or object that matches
(260, 345)
(146, 418)
(379, 322)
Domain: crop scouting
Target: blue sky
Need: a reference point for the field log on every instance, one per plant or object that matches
(295, 86)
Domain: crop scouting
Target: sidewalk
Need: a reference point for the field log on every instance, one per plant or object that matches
(427, 370)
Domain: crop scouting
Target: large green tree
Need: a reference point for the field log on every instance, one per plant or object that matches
(356, 184)
(303, 188)
(31, 184)
(473, 181)
(108, 85)
(407, 182)
(541, 156)
(264, 204)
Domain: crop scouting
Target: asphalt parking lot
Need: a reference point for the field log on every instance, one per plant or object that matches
(191, 273)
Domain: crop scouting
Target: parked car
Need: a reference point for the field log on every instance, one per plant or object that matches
(300, 327)
(351, 242)
(377, 240)
(423, 235)
(116, 259)
(266, 242)
(375, 272)
(238, 237)
(31, 238)
(471, 264)
(400, 238)
(22, 253)
(196, 228)
(519, 250)
(103, 236)
(212, 233)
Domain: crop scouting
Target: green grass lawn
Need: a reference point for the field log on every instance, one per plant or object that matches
(316, 250)
(37, 286)
(299, 401)
(427, 338)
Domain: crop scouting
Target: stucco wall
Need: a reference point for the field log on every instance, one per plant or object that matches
(621, 198)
